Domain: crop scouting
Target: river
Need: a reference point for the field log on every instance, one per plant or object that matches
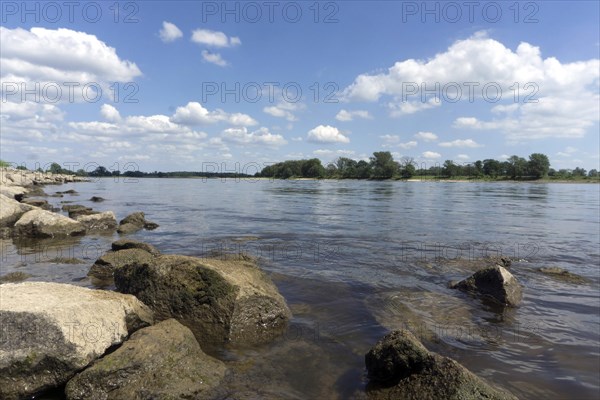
(355, 259)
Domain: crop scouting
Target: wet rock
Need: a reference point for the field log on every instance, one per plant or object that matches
(74, 207)
(70, 191)
(11, 210)
(562, 275)
(494, 283)
(66, 260)
(50, 331)
(36, 191)
(163, 361)
(96, 199)
(108, 263)
(105, 221)
(14, 277)
(45, 224)
(219, 300)
(123, 244)
(134, 222)
(400, 367)
(43, 204)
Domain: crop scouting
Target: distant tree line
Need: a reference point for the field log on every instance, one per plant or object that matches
(381, 165)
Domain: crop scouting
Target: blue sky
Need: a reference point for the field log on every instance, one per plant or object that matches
(360, 67)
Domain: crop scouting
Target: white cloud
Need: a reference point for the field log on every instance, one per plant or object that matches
(61, 55)
(169, 32)
(345, 116)
(426, 136)
(462, 157)
(195, 114)
(110, 113)
(214, 38)
(261, 136)
(326, 134)
(461, 143)
(400, 108)
(431, 155)
(214, 58)
(408, 145)
(567, 92)
(284, 110)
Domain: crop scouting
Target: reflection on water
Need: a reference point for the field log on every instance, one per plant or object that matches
(356, 259)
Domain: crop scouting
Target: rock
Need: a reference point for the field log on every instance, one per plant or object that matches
(70, 191)
(219, 300)
(163, 361)
(495, 283)
(44, 224)
(66, 260)
(11, 210)
(43, 204)
(80, 212)
(400, 367)
(134, 222)
(122, 244)
(105, 266)
(50, 331)
(98, 222)
(562, 274)
(13, 277)
(13, 192)
(96, 199)
(36, 191)
(74, 207)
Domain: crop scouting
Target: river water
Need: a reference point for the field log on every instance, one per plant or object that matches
(355, 259)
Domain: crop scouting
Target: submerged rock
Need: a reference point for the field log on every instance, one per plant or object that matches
(50, 331)
(46, 224)
(105, 221)
(43, 204)
(562, 275)
(96, 199)
(400, 367)
(163, 361)
(219, 300)
(495, 283)
(123, 244)
(134, 222)
(14, 277)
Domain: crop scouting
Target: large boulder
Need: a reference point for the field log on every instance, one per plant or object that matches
(105, 221)
(13, 192)
(494, 283)
(109, 262)
(219, 300)
(163, 361)
(11, 210)
(50, 331)
(135, 222)
(46, 224)
(43, 204)
(400, 367)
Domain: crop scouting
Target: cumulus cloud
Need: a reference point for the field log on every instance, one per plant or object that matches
(284, 110)
(431, 155)
(261, 136)
(462, 157)
(214, 38)
(426, 136)
(195, 114)
(394, 141)
(326, 153)
(214, 58)
(566, 92)
(169, 32)
(461, 143)
(346, 116)
(110, 113)
(326, 134)
(50, 55)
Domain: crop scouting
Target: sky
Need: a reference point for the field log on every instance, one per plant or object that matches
(235, 86)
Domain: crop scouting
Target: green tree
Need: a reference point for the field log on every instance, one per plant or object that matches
(383, 165)
(55, 168)
(593, 173)
(491, 168)
(312, 168)
(518, 167)
(539, 165)
(449, 169)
